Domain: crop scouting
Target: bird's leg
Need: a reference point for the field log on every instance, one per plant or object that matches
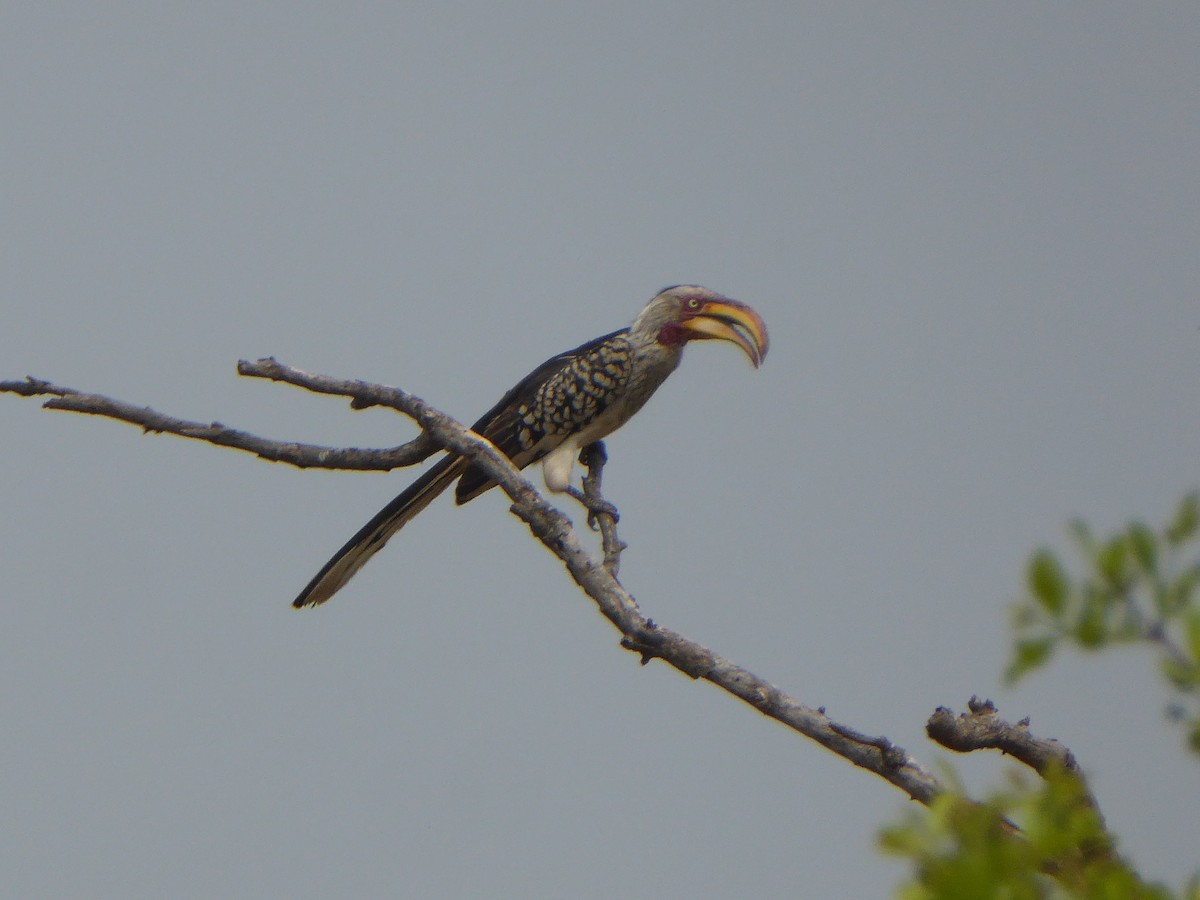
(593, 457)
(600, 511)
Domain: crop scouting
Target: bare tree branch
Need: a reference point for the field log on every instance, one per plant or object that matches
(597, 578)
(593, 457)
(983, 729)
(303, 456)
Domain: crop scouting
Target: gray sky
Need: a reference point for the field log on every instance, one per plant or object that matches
(972, 232)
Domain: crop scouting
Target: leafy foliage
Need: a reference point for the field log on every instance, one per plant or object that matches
(961, 848)
(1044, 838)
(1137, 586)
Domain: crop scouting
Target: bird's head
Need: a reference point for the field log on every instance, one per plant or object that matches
(688, 312)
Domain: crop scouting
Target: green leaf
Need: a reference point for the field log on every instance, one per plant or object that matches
(1193, 634)
(1177, 594)
(1144, 545)
(1091, 630)
(1030, 654)
(1187, 519)
(1183, 675)
(1048, 582)
(1113, 561)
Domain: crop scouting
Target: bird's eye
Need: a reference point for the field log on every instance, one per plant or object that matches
(693, 304)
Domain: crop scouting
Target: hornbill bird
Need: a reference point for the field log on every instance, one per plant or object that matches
(562, 406)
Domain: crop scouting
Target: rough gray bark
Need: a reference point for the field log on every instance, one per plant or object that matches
(597, 577)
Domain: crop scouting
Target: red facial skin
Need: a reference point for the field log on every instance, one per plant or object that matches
(672, 335)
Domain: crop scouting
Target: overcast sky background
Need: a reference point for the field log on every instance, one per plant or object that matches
(973, 233)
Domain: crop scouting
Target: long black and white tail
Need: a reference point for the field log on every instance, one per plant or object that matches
(372, 536)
